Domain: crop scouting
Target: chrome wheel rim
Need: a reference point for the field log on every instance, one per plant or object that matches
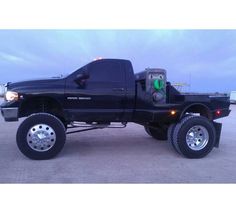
(41, 137)
(197, 137)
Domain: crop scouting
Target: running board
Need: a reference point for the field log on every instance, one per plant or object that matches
(76, 124)
(92, 126)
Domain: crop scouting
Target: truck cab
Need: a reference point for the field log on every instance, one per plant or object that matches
(103, 90)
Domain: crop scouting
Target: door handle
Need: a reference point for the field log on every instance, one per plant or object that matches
(118, 89)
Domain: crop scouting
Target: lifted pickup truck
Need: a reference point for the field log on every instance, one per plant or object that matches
(107, 94)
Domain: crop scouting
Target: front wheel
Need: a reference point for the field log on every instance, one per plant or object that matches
(41, 136)
(194, 136)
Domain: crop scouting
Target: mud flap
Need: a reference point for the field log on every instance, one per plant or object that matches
(218, 127)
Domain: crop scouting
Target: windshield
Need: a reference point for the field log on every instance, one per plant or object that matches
(83, 69)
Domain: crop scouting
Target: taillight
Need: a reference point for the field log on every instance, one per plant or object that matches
(218, 112)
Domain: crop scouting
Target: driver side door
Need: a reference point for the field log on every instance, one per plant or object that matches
(100, 96)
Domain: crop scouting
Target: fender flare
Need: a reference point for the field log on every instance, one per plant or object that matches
(203, 106)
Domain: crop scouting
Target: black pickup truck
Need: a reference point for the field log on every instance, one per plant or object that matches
(107, 94)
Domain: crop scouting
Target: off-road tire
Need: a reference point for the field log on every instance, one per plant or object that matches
(181, 130)
(170, 135)
(36, 119)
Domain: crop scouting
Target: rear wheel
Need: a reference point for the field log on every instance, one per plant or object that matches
(157, 132)
(170, 136)
(41, 136)
(194, 136)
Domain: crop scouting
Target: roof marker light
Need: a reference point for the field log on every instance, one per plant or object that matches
(98, 58)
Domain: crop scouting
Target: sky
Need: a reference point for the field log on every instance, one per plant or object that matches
(203, 59)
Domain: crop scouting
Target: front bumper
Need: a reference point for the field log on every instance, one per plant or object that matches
(10, 114)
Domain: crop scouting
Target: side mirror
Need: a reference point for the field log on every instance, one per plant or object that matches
(80, 78)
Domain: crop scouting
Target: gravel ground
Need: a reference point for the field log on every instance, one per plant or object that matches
(118, 156)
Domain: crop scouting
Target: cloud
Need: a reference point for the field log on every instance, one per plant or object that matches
(209, 54)
(11, 58)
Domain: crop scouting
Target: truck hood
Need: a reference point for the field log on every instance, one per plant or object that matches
(50, 83)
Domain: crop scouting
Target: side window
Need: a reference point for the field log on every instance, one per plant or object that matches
(106, 71)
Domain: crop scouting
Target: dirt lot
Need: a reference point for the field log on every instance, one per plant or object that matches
(118, 156)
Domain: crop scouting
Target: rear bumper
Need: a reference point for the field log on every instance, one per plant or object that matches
(10, 114)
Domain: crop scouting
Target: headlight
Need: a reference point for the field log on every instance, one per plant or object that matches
(11, 96)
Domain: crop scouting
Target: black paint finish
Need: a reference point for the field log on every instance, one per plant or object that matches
(107, 91)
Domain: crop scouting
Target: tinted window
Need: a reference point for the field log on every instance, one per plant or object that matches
(106, 71)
